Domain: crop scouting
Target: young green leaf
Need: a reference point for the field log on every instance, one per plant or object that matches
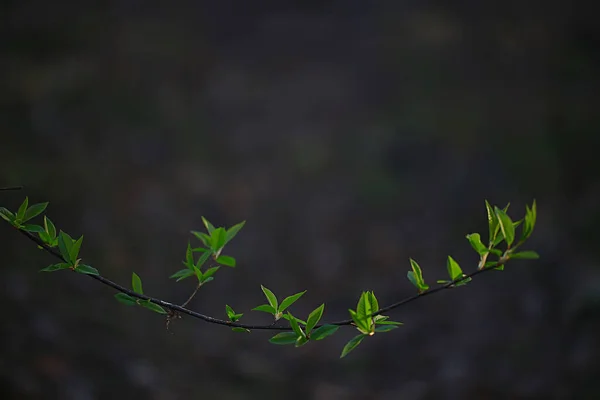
(231, 232)
(477, 244)
(217, 239)
(198, 273)
(226, 260)
(202, 259)
(209, 227)
(153, 307)
(506, 226)
(74, 252)
(389, 323)
(323, 331)
(49, 227)
(189, 257)
(204, 238)
(454, 270)
(314, 317)
(284, 338)
(285, 316)
(34, 211)
(125, 299)
(32, 228)
(270, 297)
(385, 328)
(265, 308)
(210, 272)
(55, 267)
(86, 269)
(136, 283)
(22, 209)
(233, 317)
(416, 276)
(301, 341)
(65, 244)
(492, 221)
(7, 215)
(362, 323)
(182, 274)
(363, 308)
(352, 344)
(288, 301)
(238, 329)
(294, 324)
(526, 255)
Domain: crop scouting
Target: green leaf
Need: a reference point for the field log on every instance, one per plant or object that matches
(49, 227)
(323, 331)
(204, 238)
(526, 255)
(189, 257)
(182, 274)
(385, 328)
(314, 317)
(301, 341)
(217, 239)
(226, 260)
(454, 270)
(75, 248)
(284, 338)
(22, 209)
(492, 221)
(200, 250)
(477, 244)
(442, 281)
(231, 232)
(198, 273)
(153, 307)
(210, 272)
(209, 227)
(506, 226)
(202, 259)
(55, 267)
(125, 299)
(265, 308)
(233, 317)
(416, 276)
(136, 283)
(363, 308)
(270, 297)
(362, 323)
(530, 219)
(86, 269)
(285, 316)
(390, 323)
(238, 329)
(65, 245)
(288, 301)
(373, 300)
(352, 344)
(34, 211)
(33, 228)
(294, 325)
(7, 215)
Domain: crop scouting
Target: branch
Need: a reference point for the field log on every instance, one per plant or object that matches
(212, 320)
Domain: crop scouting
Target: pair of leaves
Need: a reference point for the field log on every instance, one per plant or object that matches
(274, 308)
(217, 238)
(416, 277)
(136, 285)
(233, 317)
(455, 273)
(366, 323)
(24, 214)
(195, 268)
(48, 235)
(300, 336)
(69, 251)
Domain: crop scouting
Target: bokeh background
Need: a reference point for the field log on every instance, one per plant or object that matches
(351, 135)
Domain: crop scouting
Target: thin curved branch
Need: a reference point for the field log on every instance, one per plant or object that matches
(206, 318)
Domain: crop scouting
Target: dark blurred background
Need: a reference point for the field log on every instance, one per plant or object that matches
(351, 135)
